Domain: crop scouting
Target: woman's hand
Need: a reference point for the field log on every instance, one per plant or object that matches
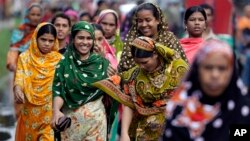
(11, 67)
(111, 71)
(99, 49)
(18, 95)
(57, 114)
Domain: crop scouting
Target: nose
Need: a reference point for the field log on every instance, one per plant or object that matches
(215, 73)
(47, 43)
(144, 23)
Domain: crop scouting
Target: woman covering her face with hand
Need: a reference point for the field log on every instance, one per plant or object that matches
(145, 89)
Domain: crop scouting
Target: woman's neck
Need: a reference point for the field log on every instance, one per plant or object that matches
(84, 57)
(62, 43)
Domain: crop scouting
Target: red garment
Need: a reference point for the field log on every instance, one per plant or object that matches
(191, 46)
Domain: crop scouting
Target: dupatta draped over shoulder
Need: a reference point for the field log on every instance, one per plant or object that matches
(74, 76)
(36, 71)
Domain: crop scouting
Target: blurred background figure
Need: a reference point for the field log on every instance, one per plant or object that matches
(209, 33)
(85, 16)
(209, 100)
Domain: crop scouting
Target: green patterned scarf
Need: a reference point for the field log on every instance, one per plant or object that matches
(73, 77)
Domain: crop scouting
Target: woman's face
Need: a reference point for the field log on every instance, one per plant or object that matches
(108, 24)
(148, 64)
(35, 16)
(85, 18)
(98, 37)
(196, 24)
(215, 74)
(83, 42)
(147, 24)
(45, 43)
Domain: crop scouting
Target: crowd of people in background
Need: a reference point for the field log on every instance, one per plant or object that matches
(83, 73)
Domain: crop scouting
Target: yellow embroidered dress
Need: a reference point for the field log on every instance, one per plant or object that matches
(35, 72)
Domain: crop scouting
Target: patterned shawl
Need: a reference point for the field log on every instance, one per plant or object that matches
(165, 37)
(137, 90)
(73, 77)
(35, 71)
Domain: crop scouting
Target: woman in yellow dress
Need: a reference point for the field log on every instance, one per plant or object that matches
(33, 85)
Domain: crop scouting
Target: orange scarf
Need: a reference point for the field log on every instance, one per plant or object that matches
(35, 71)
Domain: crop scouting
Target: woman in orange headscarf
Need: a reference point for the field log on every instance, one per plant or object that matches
(33, 85)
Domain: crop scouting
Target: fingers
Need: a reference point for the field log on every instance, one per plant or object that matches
(111, 71)
(19, 97)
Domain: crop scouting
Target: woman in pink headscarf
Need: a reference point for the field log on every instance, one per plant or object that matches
(109, 20)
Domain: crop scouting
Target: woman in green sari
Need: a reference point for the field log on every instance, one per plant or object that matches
(72, 90)
(145, 88)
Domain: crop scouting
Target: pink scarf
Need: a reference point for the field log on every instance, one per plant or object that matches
(191, 46)
(110, 54)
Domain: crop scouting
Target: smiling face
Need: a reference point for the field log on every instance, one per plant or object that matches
(45, 43)
(83, 43)
(147, 24)
(196, 24)
(215, 73)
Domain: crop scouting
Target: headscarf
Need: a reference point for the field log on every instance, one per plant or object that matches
(35, 71)
(116, 42)
(165, 37)
(21, 36)
(206, 118)
(73, 77)
(131, 95)
(72, 13)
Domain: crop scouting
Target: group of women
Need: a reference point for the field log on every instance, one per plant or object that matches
(86, 83)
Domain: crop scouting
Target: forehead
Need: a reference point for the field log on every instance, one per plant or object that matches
(196, 14)
(60, 20)
(216, 58)
(98, 33)
(144, 13)
(83, 33)
(109, 18)
(35, 9)
(47, 36)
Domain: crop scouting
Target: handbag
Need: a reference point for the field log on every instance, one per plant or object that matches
(63, 123)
